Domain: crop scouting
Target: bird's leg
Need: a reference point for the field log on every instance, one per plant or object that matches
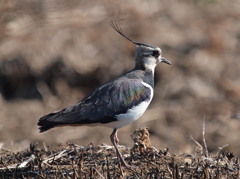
(115, 141)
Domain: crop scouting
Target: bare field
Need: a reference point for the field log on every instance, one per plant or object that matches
(74, 161)
(54, 53)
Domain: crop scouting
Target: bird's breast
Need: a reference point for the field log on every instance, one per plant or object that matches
(132, 113)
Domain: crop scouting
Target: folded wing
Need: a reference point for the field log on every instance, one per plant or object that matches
(102, 106)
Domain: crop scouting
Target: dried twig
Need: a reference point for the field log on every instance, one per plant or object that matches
(198, 144)
(56, 156)
(204, 140)
(221, 148)
(23, 164)
(98, 173)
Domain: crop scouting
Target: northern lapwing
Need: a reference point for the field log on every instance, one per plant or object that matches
(117, 103)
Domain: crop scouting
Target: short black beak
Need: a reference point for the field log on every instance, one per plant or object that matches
(164, 60)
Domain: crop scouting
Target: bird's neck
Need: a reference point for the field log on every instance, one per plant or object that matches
(145, 74)
(149, 77)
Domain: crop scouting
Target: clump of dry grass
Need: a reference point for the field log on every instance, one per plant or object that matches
(73, 161)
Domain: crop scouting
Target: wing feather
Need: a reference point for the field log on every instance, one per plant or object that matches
(102, 106)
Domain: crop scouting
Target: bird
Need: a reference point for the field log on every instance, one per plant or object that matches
(116, 103)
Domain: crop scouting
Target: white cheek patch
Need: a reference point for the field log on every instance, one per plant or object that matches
(150, 63)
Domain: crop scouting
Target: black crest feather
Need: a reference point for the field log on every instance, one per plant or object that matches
(119, 30)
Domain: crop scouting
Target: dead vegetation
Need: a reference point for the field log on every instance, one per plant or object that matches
(54, 53)
(73, 161)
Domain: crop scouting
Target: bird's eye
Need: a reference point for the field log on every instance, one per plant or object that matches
(155, 53)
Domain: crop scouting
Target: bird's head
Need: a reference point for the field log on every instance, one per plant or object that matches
(147, 56)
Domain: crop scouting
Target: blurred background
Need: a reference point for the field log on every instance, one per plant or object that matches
(55, 52)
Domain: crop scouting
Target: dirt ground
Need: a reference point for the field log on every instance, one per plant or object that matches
(53, 53)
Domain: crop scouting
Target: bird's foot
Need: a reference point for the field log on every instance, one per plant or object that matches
(127, 166)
